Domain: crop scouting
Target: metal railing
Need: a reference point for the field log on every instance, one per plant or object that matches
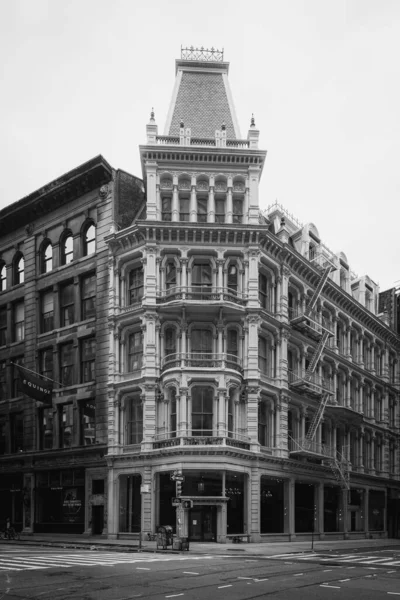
(206, 360)
(317, 326)
(301, 376)
(176, 438)
(311, 446)
(201, 293)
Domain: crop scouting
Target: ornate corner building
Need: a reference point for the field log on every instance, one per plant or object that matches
(221, 371)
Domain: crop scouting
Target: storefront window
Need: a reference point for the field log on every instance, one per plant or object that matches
(272, 505)
(60, 501)
(331, 508)
(304, 507)
(130, 507)
(376, 510)
(234, 490)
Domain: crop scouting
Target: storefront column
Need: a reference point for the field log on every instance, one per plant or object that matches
(320, 510)
(252, 505)
(345, 512)
(28, 503)
(291, 509)
(366, 512)
(113, 504)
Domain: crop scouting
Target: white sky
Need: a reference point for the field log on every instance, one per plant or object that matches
(79, 77)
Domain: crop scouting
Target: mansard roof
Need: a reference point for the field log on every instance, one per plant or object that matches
(202, 100)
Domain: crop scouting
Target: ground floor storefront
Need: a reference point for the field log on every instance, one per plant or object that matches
(231, 502)
(70, 500)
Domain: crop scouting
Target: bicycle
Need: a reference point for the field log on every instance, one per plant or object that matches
(11, 534)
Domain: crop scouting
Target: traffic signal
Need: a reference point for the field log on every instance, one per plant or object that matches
(187, 504)
(178, 488)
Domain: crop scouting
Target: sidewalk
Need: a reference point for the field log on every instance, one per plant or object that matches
(98, 543)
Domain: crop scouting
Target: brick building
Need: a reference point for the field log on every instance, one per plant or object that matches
(54, 320)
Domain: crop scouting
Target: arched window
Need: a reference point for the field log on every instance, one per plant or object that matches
(134, 424)
(170, 341)
(3, 277)
(67, 249)
(89, 240)
(170, 275)
(173, 412)
(202, 411)
(232, 277)
(19, 269)
(135, 351)
(263, 423)
(166, 209)
(263, 355)
(136, 279)
(47, 258)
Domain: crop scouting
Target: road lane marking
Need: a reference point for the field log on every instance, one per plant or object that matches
(342, 580)
(245, 578)
(297, 574)
(327, 570)
(189, 573)
(142, 569)
(390, 571)
(336, 587)
(258, 580)
(174, 595)
(220, 587)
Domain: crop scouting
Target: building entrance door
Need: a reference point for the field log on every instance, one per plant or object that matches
(203, 524)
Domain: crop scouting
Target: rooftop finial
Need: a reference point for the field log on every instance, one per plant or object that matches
(182, 125)
(223, 126)
(252, 122)
(152, 114)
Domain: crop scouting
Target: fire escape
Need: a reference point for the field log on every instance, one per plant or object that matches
(308, 382)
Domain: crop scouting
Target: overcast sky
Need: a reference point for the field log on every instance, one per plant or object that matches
(79, 78)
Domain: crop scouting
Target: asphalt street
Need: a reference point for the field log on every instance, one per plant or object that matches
(61, 574)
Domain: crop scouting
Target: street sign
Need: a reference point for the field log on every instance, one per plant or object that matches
(187, 503)
(179, 478)
(176, 501)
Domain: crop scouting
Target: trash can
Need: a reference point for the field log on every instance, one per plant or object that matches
(164, 536)
(185, 543)
(177, 545)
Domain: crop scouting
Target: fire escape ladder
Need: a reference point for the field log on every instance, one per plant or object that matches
(318, 290)
(319, 413)
(317, 354)
(341, 473)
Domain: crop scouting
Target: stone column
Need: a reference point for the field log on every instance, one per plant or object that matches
(211, 202)
(175, 201)
(246, 204)
(182, 428)
(221, 412)
(193, 202)
(229, 207)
